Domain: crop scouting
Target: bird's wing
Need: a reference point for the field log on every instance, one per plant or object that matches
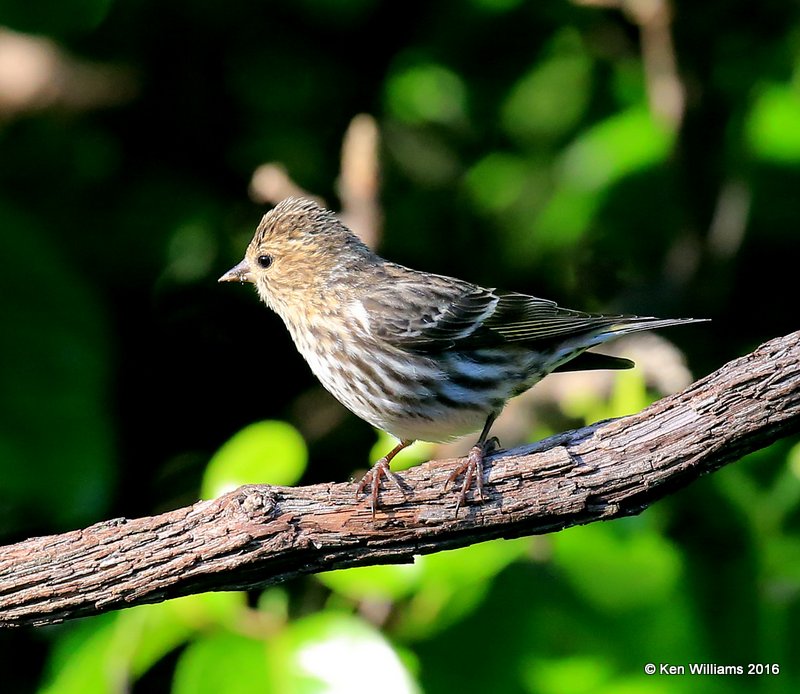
(432, 314)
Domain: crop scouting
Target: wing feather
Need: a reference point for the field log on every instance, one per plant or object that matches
(432, 313)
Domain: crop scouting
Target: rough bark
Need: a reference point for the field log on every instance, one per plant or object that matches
(258, 535)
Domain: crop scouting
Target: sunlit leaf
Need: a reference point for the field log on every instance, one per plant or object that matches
(269, 452)
(626, 143)
(622, 144)
(570, 675)
(773, 124)
(389, 582)
(103, 653)
(628, 394)
(81, 660)
(204, 609)
(337, 653)
(223, 663)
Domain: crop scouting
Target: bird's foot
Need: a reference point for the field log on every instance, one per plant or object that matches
(472, 469)
(372, 479)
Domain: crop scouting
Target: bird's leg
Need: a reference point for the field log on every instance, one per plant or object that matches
(472, 467)
(381, 469)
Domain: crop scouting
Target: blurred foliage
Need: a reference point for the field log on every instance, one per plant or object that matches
(524, 144)
(264, 452)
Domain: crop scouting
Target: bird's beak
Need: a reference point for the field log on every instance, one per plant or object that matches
(240, 273)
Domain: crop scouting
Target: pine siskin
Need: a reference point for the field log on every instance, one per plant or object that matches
(421, 356)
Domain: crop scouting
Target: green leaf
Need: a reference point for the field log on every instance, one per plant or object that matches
(269, 452)
(80, 660)
(427, 93)
(773, 125)
(497, 181)
(453, 583)
(616, 571)
(389, 582)
(628, 395)
(627, 142)
(550, 99)
(108, 652)
(330, 652)
(579, 674)
(223, 663)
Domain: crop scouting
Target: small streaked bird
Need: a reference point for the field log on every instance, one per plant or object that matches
(421, 356)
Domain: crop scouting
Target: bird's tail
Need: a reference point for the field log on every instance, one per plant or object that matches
(632, 324)
(624, 325)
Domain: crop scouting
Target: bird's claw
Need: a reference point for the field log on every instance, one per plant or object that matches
(372, 478)
(472, 469)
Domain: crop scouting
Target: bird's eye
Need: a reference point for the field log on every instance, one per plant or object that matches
(265, 261)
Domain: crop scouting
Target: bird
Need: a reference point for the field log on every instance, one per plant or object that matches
(424, 357)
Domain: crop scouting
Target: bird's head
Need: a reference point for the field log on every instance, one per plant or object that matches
(299, 256)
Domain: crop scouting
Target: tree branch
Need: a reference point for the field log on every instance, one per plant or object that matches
(259, 535)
